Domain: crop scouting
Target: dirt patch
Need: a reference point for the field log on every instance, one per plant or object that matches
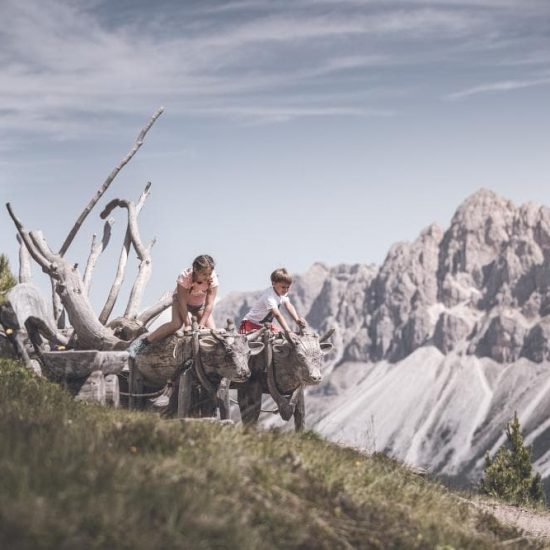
(531, 523)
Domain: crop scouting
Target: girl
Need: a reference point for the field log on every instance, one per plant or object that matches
(195, 294)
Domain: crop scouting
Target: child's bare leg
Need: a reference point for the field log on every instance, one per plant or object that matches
(167, 328)
(210, 323)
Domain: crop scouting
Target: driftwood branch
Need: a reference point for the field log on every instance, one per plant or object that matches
(143, 252)
(24, 262)
(96, 250)
(151, 313)
(35, 254)
(138, 143)
(122, 262)
(37, 327)
(90, 333)
(40, 243)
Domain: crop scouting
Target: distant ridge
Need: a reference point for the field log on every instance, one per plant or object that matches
(438, 346)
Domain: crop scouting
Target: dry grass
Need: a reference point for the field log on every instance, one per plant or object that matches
(82, 476)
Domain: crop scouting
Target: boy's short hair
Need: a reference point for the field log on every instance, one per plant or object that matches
(281, 275)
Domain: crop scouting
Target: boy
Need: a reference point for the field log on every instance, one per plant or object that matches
(267, 306)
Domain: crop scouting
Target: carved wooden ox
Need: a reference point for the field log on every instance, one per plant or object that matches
(203, 364)
(289, 363)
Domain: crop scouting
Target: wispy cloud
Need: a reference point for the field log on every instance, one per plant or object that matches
(65, 61)
(496, 87)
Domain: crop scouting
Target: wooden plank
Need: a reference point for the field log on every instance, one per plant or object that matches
(75, 364)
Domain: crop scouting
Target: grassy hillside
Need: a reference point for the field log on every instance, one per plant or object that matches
(83, 476)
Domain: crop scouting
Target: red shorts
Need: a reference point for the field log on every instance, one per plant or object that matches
(247, 326)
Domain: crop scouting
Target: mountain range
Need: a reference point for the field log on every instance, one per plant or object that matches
(438, 347)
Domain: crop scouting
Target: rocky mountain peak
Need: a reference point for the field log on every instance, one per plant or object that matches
(481, 286)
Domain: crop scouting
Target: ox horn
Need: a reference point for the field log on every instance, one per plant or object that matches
(327, 335)
(251, 336)
(230, 325)
(215, 335)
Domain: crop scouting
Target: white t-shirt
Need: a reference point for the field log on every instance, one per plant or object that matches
(261, 312)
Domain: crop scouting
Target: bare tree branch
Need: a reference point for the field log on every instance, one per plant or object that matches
(151, 313)
(36, 326)
(37, 257)
(122, 262)
(108, 181)
(96, 250)
(144, 255)
(91, 334)
(40, 243)
(25, 275)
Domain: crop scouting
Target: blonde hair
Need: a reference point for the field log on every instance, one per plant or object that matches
(281, 275)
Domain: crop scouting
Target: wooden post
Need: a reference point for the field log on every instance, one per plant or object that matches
(300, 411)
(184, 393)
(223, 399)
(135, 386)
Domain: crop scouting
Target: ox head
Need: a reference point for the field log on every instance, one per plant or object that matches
(227, 353)
(302, 355)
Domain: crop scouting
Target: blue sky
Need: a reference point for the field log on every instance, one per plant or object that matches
(293, 132)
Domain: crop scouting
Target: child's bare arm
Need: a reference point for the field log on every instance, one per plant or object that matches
(183, 296)
(208, 306)
(292, 311)
(279, 316)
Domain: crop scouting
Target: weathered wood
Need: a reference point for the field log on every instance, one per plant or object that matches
(26, 301)
(126, 329)
(95, 251)
(112, 391)
(250, 401)
(93, 389)
(91, 333)
(135, 387)
(185, 394)
(151, 313)
(6, 347)
(24, 262)
(122, 262)
(290, 362)
(138, 143)
(300, 412)
(25, 237)
(70, 365)
(223, 399)
(37, 327)
(157, 363)
(143, 253)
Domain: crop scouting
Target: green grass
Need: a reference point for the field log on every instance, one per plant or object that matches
(75, 475)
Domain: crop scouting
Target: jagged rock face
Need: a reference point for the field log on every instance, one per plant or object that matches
(493, 256)
(439, 346)
(483, 286)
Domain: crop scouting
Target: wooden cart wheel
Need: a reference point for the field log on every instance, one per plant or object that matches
(185, 394)
(93, 389)
(112, 391)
